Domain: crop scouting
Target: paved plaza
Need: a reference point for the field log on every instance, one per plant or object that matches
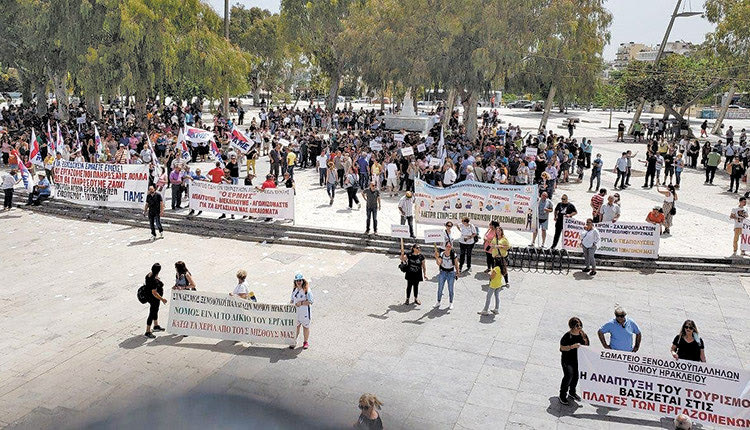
(74, 353)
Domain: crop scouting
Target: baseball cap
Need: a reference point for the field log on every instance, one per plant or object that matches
(298, 277)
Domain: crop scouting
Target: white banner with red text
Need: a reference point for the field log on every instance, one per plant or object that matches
(706, 393)
(514, 207)
(745, 235)
(221, 316)
(98, 184)
(624, 239)
(277, 203)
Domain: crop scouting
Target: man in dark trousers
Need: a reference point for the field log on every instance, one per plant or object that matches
(154, 209)
(563, 210)
(372, 197)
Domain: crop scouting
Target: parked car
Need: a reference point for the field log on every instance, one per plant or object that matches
(520, 104)
(736, 107)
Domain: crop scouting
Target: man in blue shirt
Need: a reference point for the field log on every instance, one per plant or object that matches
(621, 330)
(40, 192)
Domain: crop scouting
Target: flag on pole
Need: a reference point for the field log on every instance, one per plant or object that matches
(240, 141)
(60, 143)
(217, 153)
(35, 151)
(182, 145)
(78, 142)
(28, 181)
(98, 142)
(154, 158)
(50, 142)
(441, 147)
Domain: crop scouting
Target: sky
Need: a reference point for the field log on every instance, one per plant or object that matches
(642, 21)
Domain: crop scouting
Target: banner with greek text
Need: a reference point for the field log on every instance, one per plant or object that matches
(98, 184)
(745, 235)
(221, 316)
(275, 203)
(513, 206)
(624, 239)
(706, 393)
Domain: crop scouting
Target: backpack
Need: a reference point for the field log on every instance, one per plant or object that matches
(142, 294)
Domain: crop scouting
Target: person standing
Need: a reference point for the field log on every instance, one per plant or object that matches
(688, 345)
(331, 179)
(596, 171)
(369, 418)
(712, 163)
(275, 158)
(656, 217)
(406, 209)
(372, 205)
(449, 271)
(670, 197)
(544, 209)
(496, 283)
(469, 236)
(500, 246)
(416, 271)
(563, 210)
(569, 344)
(610, 212)
(156, 289)
(620, 132)
(621, 168)
(621, 330)
(735, 170)
(155, 210)
(738, 215)
(234, 170)
(175, 180)
(597, 200)
(183, 280)
(242, 290)
(589, 244)
(10, 180)
(650, 163)
(351, 182)
(302, 298)
(488, 237)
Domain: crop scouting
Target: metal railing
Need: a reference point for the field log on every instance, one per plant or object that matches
(539, 260)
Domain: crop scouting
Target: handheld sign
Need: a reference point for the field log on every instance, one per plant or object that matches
(398, 230)
(376, 146)
(407, 151)
(421, 147)
(433, 236)
(531, 152)
(398, 137)
(429, 140)
(434, 162)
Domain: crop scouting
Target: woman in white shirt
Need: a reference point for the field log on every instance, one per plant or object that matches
(242, 290)
(302, 298)
(469, 236)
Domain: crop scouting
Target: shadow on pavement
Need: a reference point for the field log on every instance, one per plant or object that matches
(140, 242)
(580, 276)
(394, 308)
(10, 216)
(432, 314)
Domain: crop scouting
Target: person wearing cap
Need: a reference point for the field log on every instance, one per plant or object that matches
(10, 180)
(406, 208)
(302, 298)
(41, 191)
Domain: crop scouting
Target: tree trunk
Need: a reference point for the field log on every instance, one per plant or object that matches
(61, 95)
(256, 95)
(723, 112)
(610, 117)
(382, 97)
(547, 107)
(93, 106)
(140, 109)
(26, 85)
(637, 115)
(451, 103)
(470, 115)
(333, 91)
(40, 87)
(679, 117)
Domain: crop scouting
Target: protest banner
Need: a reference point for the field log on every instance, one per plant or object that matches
(434, 162)
(398, 230)
(514, 207)
(284, 142)
(531, 152)
(745, 236)
(81, 119)
(198, 135)
(407, 151)
(275, 203)
(98, 184)
(624, 239)
(429, 140)
(399, 137)
(221, 316)
(240, 141)
(434, 236)
(421, 147)
(376, 146)
(706, 393)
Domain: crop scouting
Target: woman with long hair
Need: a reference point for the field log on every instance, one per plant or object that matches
(415, 270)
(183, 280)
(688, 345)
(302, 298)
(156, 287)
(670, 197)
(569, 343)
(500, 246)
(488, 237)
(369, 418)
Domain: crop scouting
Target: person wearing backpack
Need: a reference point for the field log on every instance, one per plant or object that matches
(302, 298)
(156, 288)
(469, 236)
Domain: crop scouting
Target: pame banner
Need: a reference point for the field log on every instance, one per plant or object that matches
(709, 394)
(98, 184)
(221, 316)
(514, 207)
(624, 239)
(277, 203)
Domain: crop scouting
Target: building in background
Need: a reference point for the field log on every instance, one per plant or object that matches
(628, 52)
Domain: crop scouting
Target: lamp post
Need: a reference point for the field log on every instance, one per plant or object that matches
(225, 103)
(660, 53)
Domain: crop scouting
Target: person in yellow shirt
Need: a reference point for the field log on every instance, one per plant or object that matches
(496, 282)
(500, 246)
(291, 158)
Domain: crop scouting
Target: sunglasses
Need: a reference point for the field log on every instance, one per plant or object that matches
(688, 327)
(579, 326)
(619, 315)
(362, 407)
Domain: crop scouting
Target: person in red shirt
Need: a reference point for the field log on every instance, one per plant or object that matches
(596, 204)
(269, 183)
(656, 216)
(216, 174)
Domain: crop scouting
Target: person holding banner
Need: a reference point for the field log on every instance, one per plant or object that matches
(621, 330)
(416, 270)
(156, 287)
(688, 345)
(242, 290)
(449, 271)
(302, 298)
(569, 344)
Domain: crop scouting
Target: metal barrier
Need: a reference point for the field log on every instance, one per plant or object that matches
(539, 260)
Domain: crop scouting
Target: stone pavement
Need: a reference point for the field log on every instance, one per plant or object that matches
(74, 354)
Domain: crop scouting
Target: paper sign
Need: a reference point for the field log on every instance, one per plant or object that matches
(398, 137)
(429, 140)
(530, 153)
(81, 119)
(407, 151)
(434, 236)
(398, 230)
(434, 162)
(376, 146)
(284, 142)
(421, 147)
